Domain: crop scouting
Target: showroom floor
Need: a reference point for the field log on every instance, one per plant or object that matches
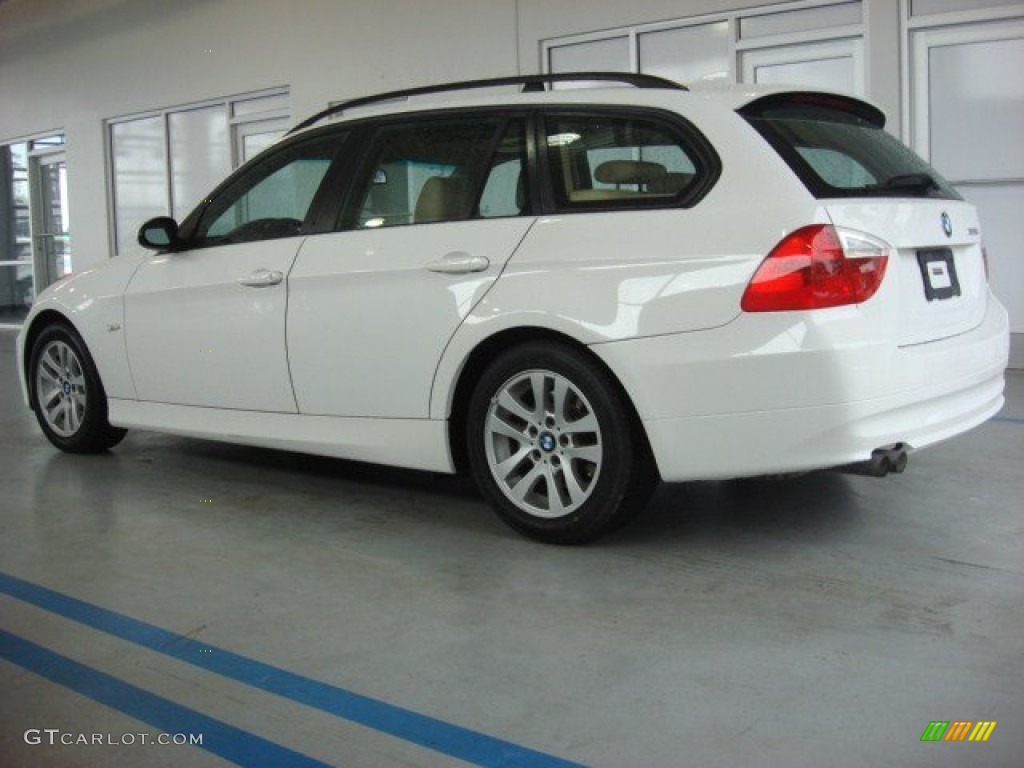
(292, 610)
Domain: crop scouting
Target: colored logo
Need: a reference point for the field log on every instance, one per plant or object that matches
(958, 730)
(947, 224)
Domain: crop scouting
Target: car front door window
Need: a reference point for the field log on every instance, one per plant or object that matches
(272, 200)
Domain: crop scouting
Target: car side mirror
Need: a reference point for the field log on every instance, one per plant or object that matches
(159, 234)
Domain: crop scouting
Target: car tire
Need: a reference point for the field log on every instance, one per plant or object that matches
(67, 394)
(554, 447)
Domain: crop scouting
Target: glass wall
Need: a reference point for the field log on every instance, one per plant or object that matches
(16, 291)
(139, 174)
(967, 118)
(35, 246)
(163, 163)
(200, 155)
(51, 231)
(818, 44)
(687, 54)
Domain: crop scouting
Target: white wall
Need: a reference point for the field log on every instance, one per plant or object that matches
(71, 65)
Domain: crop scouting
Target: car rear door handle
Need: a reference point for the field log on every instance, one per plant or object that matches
(459, 263)
(261, 278)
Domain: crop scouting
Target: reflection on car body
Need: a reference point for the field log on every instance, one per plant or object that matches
(566, 293)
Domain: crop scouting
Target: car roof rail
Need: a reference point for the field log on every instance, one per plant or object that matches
(530, 84)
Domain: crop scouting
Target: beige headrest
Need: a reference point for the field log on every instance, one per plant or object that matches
(629, 172)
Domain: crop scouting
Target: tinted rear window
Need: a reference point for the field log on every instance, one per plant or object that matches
(838, 150)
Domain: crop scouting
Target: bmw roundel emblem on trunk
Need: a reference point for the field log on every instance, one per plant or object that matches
(947, 224)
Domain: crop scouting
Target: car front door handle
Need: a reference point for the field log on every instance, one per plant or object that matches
(262, 278)
(459, 263)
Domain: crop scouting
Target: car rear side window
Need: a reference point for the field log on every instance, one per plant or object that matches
(622, 161)
(838, 148)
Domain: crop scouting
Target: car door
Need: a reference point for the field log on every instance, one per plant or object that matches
(205, 323)
(438, 208)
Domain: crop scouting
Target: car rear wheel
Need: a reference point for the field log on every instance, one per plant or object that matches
(67, 395)
(553, 446)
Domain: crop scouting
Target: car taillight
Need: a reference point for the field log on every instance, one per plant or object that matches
(815, 267)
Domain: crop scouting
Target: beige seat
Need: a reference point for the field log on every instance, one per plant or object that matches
(441, 199)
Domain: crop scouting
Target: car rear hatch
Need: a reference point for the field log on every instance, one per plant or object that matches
(869, 182)
(941, 277)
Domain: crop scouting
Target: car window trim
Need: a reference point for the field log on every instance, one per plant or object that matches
(338, 184)
(484, 171)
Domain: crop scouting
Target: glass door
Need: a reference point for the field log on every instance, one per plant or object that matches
(968, 120)
(254, 137)
(51, 241)
(16, 290)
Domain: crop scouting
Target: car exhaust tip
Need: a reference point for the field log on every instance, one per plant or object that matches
(889, 458)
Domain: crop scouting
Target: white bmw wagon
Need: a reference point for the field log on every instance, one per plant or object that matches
(568, 293)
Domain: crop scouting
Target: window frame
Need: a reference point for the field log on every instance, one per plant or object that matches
(739, 42)
(525, 168)
(235, 123)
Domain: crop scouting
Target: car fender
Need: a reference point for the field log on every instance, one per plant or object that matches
(92, 302)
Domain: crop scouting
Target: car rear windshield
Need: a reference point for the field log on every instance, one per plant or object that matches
(838, 148)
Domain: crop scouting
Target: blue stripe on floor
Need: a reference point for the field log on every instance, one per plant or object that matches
(449, 739)
(219, 738)
(1007, 419)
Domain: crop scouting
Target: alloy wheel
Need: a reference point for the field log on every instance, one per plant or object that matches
(61, 389)
(543, 443)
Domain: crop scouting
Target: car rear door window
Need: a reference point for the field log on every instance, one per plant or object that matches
(437, 170)
(618, 161)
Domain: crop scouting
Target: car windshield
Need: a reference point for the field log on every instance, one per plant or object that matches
(839, 153)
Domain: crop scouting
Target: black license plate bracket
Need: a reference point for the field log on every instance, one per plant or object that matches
(938, 273)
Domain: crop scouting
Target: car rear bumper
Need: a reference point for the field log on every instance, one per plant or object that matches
(767, 395)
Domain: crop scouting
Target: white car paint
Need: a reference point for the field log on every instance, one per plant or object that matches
(799, 391)
(910, 226)
(369, 317)
(412, 443)
(196, 335)
(93, 302)
(344, 359)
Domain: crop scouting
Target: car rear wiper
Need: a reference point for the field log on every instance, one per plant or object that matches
(922, 182)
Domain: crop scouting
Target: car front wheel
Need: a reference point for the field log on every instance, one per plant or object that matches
(67, 395)
(553, 446)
